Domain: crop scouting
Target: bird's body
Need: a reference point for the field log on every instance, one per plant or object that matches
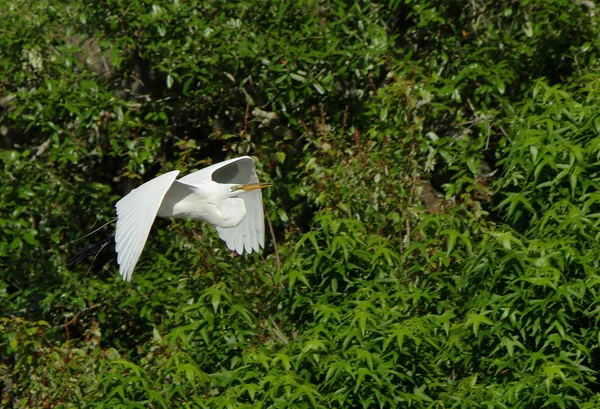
(227, 195)
(211, 203)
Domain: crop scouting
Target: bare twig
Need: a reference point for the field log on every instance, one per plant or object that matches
(76, 316)
(274, 241)
(89, 234)
(278, 333)
(96, 256)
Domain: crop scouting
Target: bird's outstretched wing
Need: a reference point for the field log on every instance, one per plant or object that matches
(135, 215)
(250, 233)
(237, 171)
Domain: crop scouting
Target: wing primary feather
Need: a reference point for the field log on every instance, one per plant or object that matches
(249, 234)
(130, 240)
(135, 215)
(138, 240)
(131, 247)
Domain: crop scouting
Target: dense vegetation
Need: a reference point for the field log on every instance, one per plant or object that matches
(433, 225)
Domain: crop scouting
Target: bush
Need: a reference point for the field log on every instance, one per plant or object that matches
(433, 224)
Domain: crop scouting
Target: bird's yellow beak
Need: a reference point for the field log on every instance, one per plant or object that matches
(250, 186)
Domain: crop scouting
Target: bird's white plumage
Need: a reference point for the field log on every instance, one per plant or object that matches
(135, 215)
(250, 233)
(203, 195)
(233, 174)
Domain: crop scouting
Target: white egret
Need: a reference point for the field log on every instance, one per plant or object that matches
(227, 195)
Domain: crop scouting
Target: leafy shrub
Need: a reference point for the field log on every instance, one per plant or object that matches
(434, 217)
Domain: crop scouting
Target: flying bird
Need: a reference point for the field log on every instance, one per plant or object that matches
(227, 195)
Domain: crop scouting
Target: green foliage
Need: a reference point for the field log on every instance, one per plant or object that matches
(433, 225)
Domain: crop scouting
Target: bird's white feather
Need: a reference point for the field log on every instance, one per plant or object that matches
(203, 195)
(244, 166)
(249, 235)
(136, 213)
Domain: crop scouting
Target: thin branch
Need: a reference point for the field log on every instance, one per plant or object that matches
(274, 241)
(278, 333)
(89, 234)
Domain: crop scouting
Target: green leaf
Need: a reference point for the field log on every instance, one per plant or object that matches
(297, 77)
(29, 239)
(475, 320)
(319, 88)
(215, 300)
